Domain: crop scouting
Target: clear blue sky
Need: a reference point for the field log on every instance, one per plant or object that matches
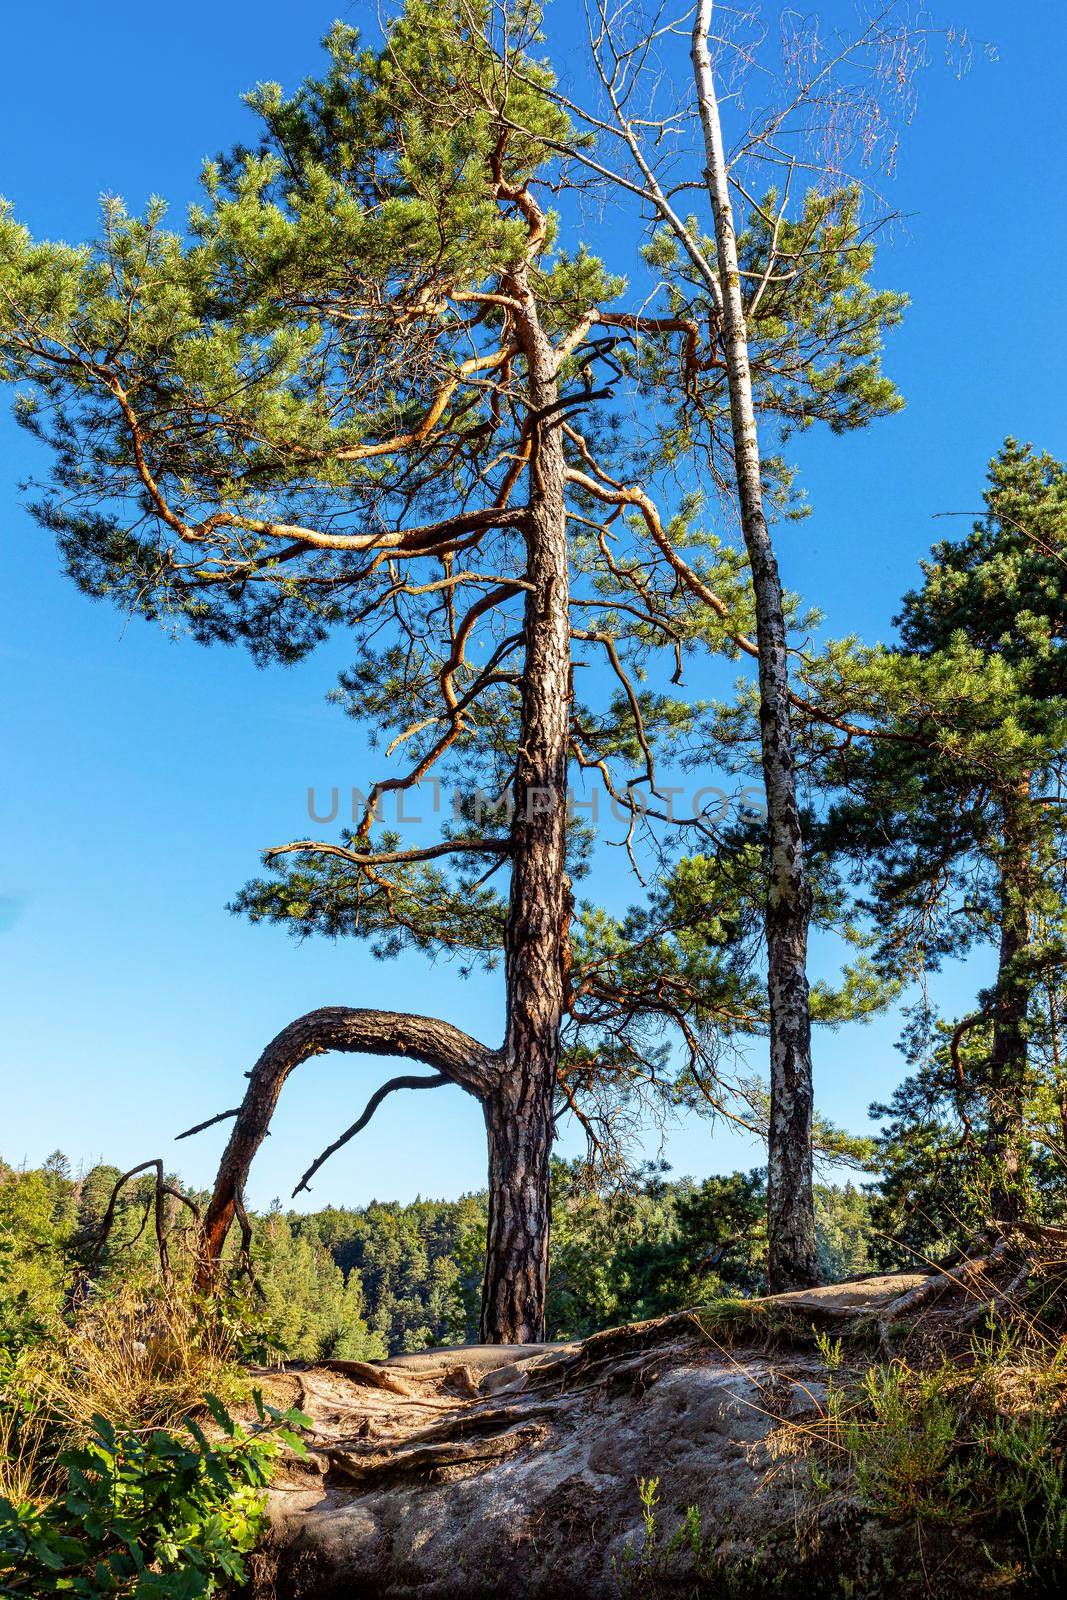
(144, 775)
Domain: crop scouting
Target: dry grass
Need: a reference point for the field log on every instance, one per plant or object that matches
(144, 1358)
(29, 1445)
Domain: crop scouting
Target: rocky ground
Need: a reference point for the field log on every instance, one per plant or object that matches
(490, 1470)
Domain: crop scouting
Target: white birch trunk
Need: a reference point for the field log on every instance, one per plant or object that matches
(791, 1218)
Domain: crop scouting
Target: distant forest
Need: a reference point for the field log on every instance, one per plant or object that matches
(367, 1281)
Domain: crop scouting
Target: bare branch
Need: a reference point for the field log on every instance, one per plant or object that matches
(385, 858)
(156, 1202)
(405, 1081)
(222, 1116)
(455, 1055)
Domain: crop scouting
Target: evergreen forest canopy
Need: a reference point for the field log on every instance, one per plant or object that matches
(382, 386)
(360, 1283)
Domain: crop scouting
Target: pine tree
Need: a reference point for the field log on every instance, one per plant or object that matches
(309, 1310)
(345, 400)
(349, 398)
(952, 808)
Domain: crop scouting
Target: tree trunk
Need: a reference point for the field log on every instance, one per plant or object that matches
(519, 1115)
(518, 1125)
(793, 1261)
(1008, 1056)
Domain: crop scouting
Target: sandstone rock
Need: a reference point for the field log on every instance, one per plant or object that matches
(515, 1471)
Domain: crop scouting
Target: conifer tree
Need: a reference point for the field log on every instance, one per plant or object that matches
(345, 399)
(1000, 593)
(308, 1308)
(952, 804)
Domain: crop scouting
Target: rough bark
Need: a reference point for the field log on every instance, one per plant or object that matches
(386, 1033)
(793, 1262)
(519, 1115)
(518, 1125)
(1008, 1055)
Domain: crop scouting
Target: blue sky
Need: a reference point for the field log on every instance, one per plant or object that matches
(143, 775)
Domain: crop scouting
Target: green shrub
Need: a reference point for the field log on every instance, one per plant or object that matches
(975, 1446)
(34, 1267)
(157, 1516)
(688, 1560)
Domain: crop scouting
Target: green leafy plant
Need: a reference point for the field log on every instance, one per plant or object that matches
(690, 1554)
(160, 1515)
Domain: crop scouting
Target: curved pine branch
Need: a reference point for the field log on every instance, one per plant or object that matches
(458, 1057)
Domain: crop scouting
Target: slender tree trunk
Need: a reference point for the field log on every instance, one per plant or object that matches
(519, 1115)
(793, 1261)
(1008, 1055)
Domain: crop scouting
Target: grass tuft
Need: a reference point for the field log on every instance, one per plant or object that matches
(144, 1357)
